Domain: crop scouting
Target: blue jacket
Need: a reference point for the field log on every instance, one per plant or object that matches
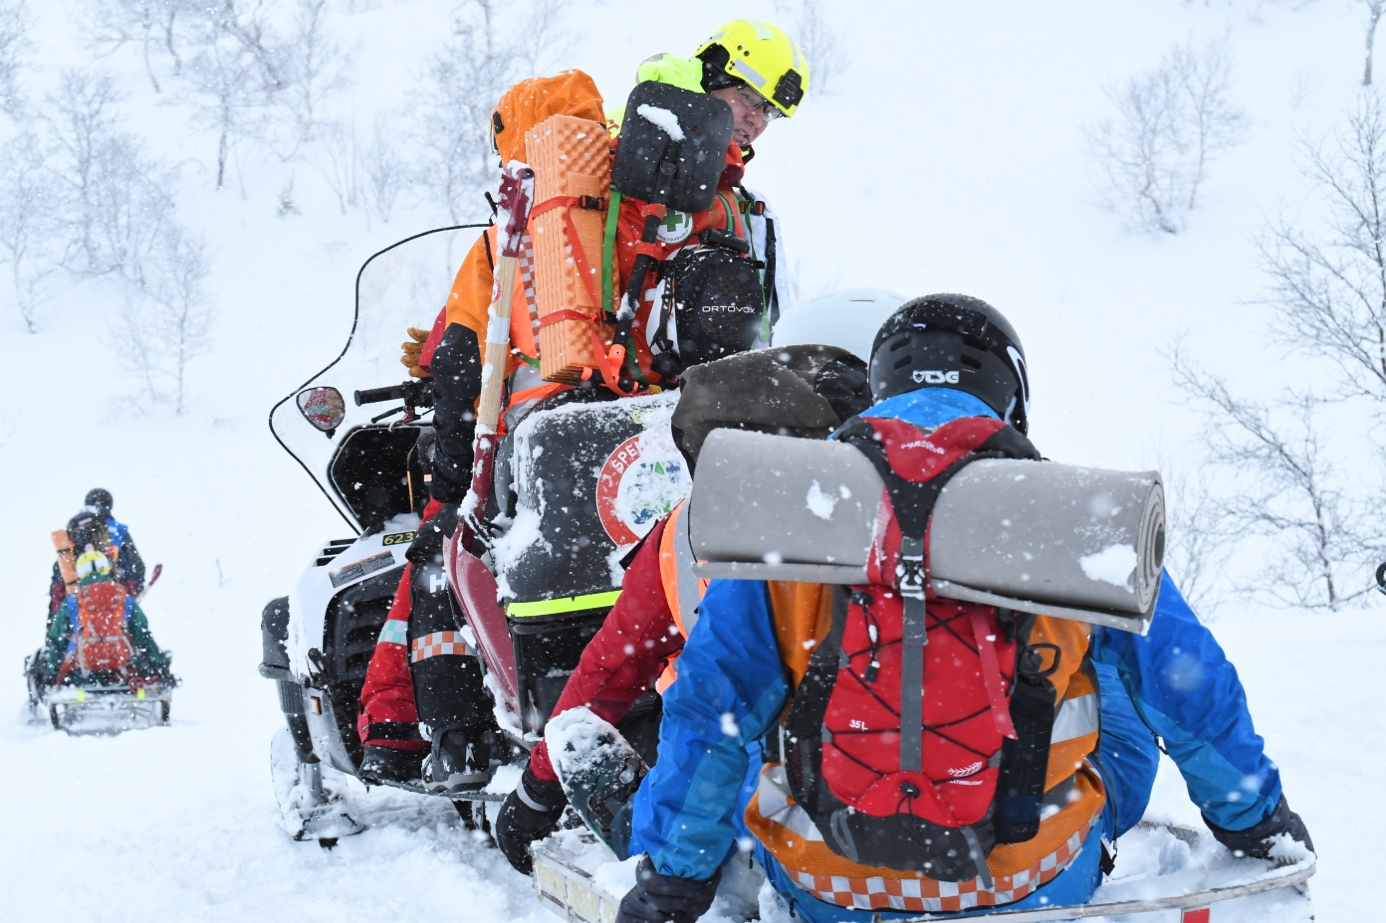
(732, 688)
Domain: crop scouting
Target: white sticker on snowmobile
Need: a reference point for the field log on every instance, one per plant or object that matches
(361, 568)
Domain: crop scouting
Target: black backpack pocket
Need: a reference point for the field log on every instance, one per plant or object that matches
(717, 304)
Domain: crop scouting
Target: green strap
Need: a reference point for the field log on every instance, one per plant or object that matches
(613, 213)
(562, 605)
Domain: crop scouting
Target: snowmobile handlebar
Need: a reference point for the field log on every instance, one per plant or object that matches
(410, 393)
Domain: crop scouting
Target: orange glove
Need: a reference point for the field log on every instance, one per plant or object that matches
(412, 350)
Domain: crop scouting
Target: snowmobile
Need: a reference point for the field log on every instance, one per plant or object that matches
(95, 697)
(577, 483)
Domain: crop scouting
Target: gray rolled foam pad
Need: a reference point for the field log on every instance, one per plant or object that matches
(776, 500)
(1042, 537)
(1083, 538)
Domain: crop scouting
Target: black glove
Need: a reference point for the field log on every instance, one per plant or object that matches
(1257, 841)
(427, 547)
(530, 813)
(660, 898)
(456, 385)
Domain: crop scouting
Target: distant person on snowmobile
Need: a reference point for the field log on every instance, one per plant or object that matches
(742, 63)
(128, 566)
(100, 633)
(948, 367)
(633, 653)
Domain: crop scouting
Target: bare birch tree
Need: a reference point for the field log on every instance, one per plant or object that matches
(1283, 487)
(1171, 123)
(385, 170)
(545, 39)
(114, 199)
(1374, 11)
(167, 322)
(14, 39)
(314, 72)
(1197, 544)
(1327, 290)
(464, 80)
(819, 40)
(229, 89)
(28, 203)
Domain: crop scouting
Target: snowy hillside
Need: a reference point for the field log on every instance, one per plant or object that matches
(947, 154)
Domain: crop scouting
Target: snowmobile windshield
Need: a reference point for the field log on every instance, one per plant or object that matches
(349, 449)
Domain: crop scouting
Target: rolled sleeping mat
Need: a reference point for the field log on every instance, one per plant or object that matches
(779, 508)
(1080, 543)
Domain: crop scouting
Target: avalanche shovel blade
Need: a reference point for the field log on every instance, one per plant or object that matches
(673, 146)
(598, 769)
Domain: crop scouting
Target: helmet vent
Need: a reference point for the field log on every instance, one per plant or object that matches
(971, 361)
(903, 362)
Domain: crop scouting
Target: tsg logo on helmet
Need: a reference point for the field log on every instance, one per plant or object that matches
(930, 341)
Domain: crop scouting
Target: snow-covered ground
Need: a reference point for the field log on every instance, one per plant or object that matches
(947, 157)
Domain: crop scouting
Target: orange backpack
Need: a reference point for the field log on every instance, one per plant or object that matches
(101, 641)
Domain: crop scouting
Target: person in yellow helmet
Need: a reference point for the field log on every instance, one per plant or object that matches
(758, 71)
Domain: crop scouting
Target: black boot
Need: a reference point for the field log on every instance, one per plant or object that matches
(383, 765)
(460, 760)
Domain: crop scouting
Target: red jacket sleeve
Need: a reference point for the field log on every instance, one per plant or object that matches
(627, 654)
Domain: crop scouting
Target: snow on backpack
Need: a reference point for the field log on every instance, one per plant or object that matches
(102, 644)
(919, 735)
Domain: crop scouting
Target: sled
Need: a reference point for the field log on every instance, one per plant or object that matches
(569, 872)
(105, 709)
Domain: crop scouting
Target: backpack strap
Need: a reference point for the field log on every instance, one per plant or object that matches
(1025, 758)
(801, 728)
(913, 505)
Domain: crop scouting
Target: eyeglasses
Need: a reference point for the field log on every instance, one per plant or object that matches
(754, 101)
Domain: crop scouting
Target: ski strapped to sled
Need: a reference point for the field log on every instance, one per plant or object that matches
(1196, 905)
(572, 893)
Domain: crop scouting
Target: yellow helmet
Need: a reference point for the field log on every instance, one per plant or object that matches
(759, 55)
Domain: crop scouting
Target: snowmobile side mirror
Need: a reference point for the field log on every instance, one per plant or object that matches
(323, 407)
(673, 146)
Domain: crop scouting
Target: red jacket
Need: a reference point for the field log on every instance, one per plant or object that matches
(628, 653)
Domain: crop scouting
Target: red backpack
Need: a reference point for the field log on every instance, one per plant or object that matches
(101, 640)
(909, 741)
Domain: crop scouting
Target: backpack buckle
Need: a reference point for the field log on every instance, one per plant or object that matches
(909, 576)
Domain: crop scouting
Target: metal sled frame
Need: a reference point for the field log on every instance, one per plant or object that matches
(573, 895)
(63, 703)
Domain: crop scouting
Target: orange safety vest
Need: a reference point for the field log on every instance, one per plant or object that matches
(682, 588)
(1074, 794)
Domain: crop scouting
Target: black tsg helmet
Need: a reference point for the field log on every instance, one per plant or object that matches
(99, 499)
(953, 341)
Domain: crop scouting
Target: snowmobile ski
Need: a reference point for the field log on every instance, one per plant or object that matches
(310, 809)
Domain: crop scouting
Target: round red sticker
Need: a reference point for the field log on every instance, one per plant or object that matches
(636, 488)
